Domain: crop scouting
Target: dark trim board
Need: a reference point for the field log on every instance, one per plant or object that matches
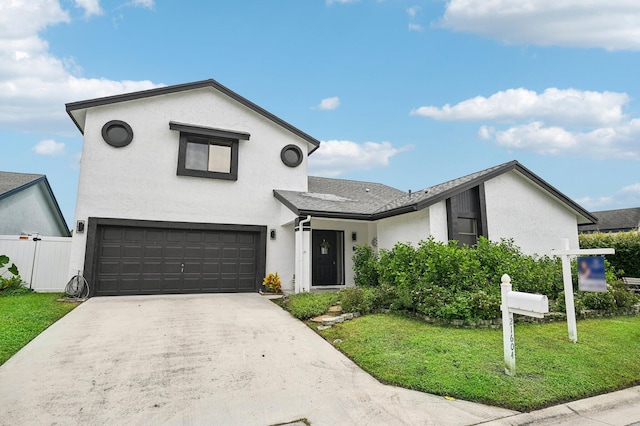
(94, 223)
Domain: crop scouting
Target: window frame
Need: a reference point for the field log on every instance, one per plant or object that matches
(187, 138)
(208, 136)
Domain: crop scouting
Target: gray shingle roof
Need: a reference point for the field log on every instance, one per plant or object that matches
(614, 221)
(11, 182)
(349, 199)
(339, 197)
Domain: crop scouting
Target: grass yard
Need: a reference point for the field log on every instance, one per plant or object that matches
(468, 363)
(23, 317)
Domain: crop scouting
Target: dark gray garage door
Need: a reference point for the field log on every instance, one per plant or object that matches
(169, 259)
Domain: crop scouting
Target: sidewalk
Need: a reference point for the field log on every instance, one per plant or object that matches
(616, 408)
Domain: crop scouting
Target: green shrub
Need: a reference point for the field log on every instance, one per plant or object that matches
(10, 281)
(307, 305)
(352, 300)
(627, 246)
(365, 268)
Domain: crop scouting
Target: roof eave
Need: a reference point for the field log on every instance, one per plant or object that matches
(82, 105)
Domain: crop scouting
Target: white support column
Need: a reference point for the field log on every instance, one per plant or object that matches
(508, 335)
(565, 254)
(303, 255)
(305, 286)
(568, 293)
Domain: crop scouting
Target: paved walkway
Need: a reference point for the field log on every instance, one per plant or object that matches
(227, 359)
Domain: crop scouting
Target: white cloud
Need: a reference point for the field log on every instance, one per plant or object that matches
(148, 4)
(631, 189)
(329, 103)
(555, 122)
(625, 197)
(612, 24)
(413, 12)
(568, 106)
(91, 7)
(49, 147)
(595, 203)
(335, 157)
(34, 84)
(340, 1)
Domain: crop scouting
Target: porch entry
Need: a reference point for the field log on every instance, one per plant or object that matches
(327, 257)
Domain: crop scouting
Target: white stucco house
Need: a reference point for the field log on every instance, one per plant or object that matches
(193, 188)
(28, 206)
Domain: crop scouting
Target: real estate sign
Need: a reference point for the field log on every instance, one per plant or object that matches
(591, 274)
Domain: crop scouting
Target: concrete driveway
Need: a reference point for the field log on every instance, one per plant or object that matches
(227, 359)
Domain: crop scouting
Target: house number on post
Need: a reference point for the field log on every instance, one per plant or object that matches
(515, 302)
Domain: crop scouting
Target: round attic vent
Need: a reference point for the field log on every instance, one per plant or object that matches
(117, 133)
(291, 155)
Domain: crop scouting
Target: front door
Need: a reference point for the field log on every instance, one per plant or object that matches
(327, 257)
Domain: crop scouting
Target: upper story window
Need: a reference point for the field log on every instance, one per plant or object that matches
(208, 152)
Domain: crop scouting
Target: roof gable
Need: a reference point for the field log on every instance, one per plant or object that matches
(77, 110)
(12, 183)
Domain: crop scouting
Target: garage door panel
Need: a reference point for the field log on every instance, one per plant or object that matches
(153, 252)
(174, 252)
(133, 251)
(131, 268)
(247, 239)
(139, 260)
(133, 234)
(192, 252)
(247, 253)
(246, 268)
(194, 237)
(229, 253)
(175, 236)
(112, 234)
(154, 236)
(109, 268)
(229, 238)
(109, 250)
(212, 252)
(211, 267)
(229, 268)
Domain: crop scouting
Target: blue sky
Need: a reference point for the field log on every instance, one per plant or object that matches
(406, 93)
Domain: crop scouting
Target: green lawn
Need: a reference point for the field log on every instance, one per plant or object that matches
(468, 363)
(23, 317)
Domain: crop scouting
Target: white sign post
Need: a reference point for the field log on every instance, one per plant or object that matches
(515, 302)
(565, 255)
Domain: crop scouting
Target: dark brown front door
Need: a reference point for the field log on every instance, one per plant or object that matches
(326, 257)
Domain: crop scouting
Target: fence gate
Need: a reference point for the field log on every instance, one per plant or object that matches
(43, 262)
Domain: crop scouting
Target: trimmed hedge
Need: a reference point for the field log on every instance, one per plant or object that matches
(444, 281)
(627, 246)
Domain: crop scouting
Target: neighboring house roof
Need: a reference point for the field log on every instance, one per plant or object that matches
(77, 110)
(619, 220)
(383, 201)
(11, 183)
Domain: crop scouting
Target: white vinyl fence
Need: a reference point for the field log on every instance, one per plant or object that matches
(43, 262)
